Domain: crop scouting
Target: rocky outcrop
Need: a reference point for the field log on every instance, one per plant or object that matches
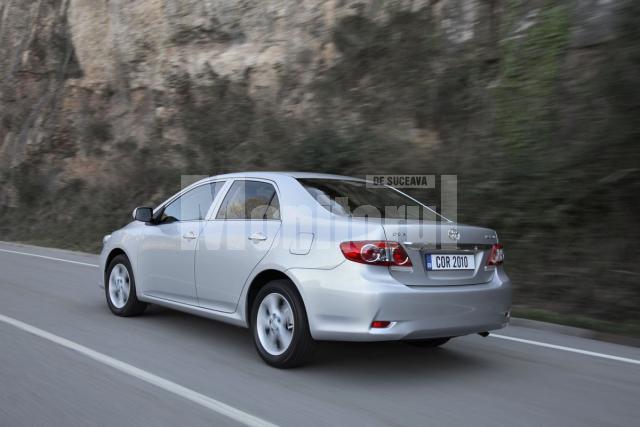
(534, 104)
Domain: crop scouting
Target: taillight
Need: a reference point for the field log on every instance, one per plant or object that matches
(496, 256)
(376, 253)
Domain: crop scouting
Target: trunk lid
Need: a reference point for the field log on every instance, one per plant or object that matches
(422, 238)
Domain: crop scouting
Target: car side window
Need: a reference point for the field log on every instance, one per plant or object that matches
(192, 205)
(250, 200)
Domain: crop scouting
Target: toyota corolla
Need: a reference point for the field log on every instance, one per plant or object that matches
(300, 258)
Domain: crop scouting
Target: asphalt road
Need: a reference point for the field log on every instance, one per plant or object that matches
(168, 368)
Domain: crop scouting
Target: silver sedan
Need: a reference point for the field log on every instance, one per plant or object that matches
(301, 257)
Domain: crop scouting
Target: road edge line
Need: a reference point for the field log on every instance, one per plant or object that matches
(174, 388)
(569, 349)
(50, 258)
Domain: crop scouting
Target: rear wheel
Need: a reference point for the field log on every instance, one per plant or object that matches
(430, 343)
(280, 327)
(120, 288)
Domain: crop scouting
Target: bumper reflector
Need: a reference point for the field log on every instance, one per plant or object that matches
(378, 324)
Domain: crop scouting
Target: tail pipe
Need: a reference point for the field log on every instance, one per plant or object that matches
(483, 334)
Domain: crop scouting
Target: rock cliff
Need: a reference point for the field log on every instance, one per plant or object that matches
(535, 104)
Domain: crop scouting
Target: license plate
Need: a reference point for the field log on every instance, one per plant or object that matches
(450, 262)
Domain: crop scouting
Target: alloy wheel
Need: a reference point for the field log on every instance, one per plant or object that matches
(275, 324)
(119, 286)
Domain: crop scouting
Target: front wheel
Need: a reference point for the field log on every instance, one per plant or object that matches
(280, 327)
(120, 288)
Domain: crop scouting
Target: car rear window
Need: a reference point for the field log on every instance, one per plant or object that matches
(358, 199)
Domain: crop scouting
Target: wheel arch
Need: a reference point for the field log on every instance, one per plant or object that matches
(259, 281)
(112, 254)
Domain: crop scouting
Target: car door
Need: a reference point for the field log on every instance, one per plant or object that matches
(233, 243)
(166, 257)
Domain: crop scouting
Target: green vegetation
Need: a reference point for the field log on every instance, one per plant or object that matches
(526, 97)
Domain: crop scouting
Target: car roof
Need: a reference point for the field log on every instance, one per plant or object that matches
(276, 174)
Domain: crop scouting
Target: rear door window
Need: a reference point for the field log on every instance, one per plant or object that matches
(255, 200)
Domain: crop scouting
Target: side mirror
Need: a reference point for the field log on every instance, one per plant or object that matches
(142, 214)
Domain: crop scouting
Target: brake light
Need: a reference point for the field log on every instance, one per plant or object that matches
(496, 256)
(376, 253)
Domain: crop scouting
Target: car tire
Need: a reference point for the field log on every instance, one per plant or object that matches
(430, 343)
(278, 315)
(119, 278)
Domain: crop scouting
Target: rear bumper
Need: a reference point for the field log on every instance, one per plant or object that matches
(341, 304)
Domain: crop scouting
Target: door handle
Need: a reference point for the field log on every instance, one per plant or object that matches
(189, 236)
(257, 237)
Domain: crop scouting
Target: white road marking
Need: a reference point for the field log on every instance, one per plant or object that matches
(51, 258)
(570, 349)
(191, 395)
